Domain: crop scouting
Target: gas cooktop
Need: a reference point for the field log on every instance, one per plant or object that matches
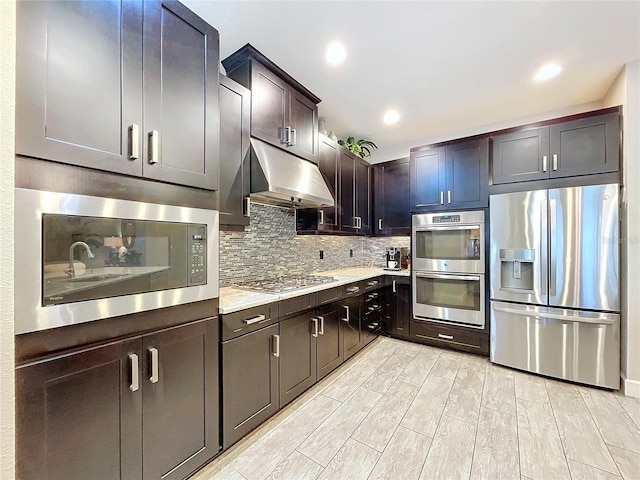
(284, 284)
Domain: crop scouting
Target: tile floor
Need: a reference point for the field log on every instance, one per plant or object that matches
(399, 410)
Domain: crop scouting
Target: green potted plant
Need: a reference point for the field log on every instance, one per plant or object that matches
(361, 147)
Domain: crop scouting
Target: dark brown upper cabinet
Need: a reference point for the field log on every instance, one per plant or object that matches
(572, 148)
(391, 199)
(451, 176)
(235, 115)
(127, 86)
(355, 188)
(325, 219)
(283, 112)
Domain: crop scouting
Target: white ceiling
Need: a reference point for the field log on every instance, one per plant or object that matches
(445, 66)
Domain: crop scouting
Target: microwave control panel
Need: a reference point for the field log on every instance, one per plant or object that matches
(446, 219)
(197, 254)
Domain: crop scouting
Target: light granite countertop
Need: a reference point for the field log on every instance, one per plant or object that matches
(235, 299)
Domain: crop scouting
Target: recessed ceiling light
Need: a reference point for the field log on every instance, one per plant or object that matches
(391, 117)
(336, 53)
(548, 71)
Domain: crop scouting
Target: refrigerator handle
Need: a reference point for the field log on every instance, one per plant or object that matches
(553, 251)
(543, 259)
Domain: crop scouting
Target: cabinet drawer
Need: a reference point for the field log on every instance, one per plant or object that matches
(447, 335)
(352, 290)
(297, 304)
(248, 320)
(372, 283)
(329, 295)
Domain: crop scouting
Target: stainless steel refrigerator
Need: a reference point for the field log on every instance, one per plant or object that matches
(555, 283)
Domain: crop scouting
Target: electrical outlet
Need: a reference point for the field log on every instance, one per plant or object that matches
(321, 254)
(351, 253)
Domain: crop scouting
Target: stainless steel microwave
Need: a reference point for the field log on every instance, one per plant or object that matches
(81, 258)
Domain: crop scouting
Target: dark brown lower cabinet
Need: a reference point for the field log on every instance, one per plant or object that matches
(450, 336)
(330, 354)
(180, 424)
(397, 308)
(352, 337)
(297, 355)
(249, 382)
(100, 413)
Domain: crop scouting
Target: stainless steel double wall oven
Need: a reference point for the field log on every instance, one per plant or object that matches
(448, 268)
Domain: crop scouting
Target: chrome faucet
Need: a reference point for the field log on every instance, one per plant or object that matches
(71, 270)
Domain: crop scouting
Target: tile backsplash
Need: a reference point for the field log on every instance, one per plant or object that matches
(269, 247)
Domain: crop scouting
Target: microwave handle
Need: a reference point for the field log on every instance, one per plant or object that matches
(447, 227)
(447, 277)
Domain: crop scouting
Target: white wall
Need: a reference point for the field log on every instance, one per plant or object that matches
(7, 160)
(625, 91)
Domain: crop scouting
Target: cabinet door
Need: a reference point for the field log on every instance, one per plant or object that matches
(347, 192)
(351, 329)
(79, 82)
(303, 117)
(403, 307)
(391, 207)
(428, 179)
(467, 174)
(363, 200)
(249, 383)
(235, 118)
(521, 156)
(297, 356)
(328, 157)
(329, 342)
(78, 416)
(180, 399)
(269, 104)
(181, 118)
(585, 146)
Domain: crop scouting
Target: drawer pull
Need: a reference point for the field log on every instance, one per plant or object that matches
(446, 337)
(373, 283)
(353, 289)
(251, 321)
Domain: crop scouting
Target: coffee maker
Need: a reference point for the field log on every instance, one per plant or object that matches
(393, 258)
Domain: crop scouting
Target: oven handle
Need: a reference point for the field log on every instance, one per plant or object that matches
(445, 276)
(447, 227)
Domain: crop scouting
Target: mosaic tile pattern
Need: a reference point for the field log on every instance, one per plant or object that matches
(269, 247)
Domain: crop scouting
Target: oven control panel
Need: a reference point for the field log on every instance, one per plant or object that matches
(446, 219)
(197, 254)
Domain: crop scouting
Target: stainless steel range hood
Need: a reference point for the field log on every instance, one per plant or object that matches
(280, 178)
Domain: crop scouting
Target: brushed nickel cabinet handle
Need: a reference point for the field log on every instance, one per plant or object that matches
(448, 196)
(154, 146)
(555, 162)
(446, 337)
(441, 197)
(251, 321)
(288, 136)
(316, 331)
(321, 217)
(154, 365)
(135, 380)
(393, 286)
(321, 318)
(294, 136)
(134, 142)
(544, 163)
(379, 224)
(347, 318)
(247, 206)
(276, 345)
